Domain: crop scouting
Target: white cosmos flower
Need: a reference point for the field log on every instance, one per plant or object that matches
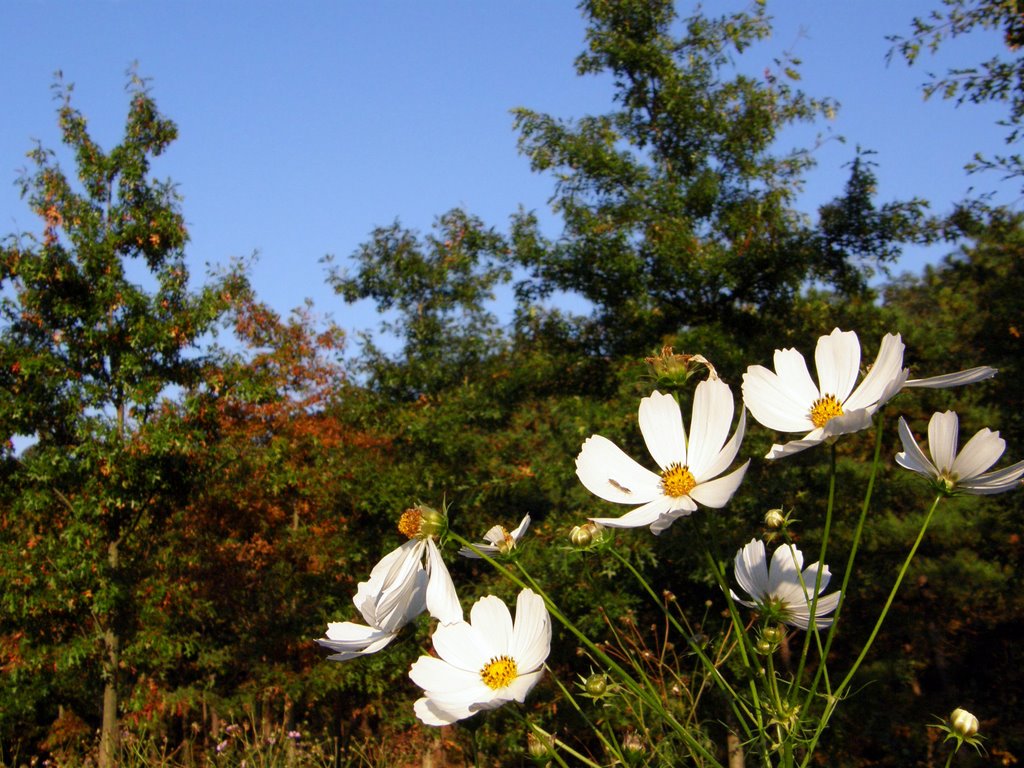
(777, 591)
(406, 581)
(483, 663)
(689, 467)
(963, 472)
(788, 400)
(498, 541)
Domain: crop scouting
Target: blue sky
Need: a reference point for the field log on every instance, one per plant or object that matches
(303, 125)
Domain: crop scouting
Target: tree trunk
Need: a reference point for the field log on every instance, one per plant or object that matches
(112, 642)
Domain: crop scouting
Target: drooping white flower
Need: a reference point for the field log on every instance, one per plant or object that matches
(788, 400)
(689, 468)
(485, 662)
(406, 581)
(964, 472)
(776, 591)
(498, 541)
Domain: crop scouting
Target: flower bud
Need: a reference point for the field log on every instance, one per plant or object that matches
(596, 686)
(964, 723)
(774, 519)
(539, 748)
(632, 746)
(587, 535)
(773, 635)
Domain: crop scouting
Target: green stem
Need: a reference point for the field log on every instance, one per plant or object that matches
(854, 546)
(649, 697)
(736, 702)
(812, 626)
(841, 688)
(746, 652)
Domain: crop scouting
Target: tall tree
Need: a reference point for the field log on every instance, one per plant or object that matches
(97, 322)
(678, 207)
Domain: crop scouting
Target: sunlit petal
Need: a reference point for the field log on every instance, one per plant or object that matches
(837, 358)
(607, 472)
(661, 424)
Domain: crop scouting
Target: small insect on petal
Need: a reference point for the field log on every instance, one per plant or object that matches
(618, 486)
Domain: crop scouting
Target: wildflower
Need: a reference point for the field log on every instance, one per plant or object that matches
(787, 400)
(485, 662)
(688, 466)
(958, 473)
(407, 581)
(780, 592)
(498, 540)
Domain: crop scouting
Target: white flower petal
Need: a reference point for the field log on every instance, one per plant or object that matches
(773, 403)
(349, 640)
(783, 572)
(850, 421)
(661, 424)
(837, 359)
(490, 617)
(995, 482)
(725, 456)
(809, 440)
(912, 457)
(709, 424)
(981, 452)
(880, 383)
(607, 472)
(435, 675)
(751, 569)
(442, 601)
(518, 688)
(716, 493)
(970, 376)
(430, 714)
(461, 646)
(648, 513)
(400, 583)
(795, 378)
(520, 530)
(943, 430)
(531, 634)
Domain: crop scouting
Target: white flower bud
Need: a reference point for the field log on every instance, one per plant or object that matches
(964, 723)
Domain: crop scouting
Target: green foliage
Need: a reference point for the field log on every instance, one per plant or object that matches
(86, 353)
(678, 209)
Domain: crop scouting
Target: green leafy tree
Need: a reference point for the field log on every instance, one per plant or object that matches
(678, 207)
(97, 322)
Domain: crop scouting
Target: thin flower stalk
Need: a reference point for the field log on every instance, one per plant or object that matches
(649, 697)
(745, 647)
(854, 547)
(812, 626)
(735, 701)
(841, 688)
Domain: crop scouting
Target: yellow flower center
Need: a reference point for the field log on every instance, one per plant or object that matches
(824, 410)
(410, 522)
(677, 481)
(507, 543)
(499, 672)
